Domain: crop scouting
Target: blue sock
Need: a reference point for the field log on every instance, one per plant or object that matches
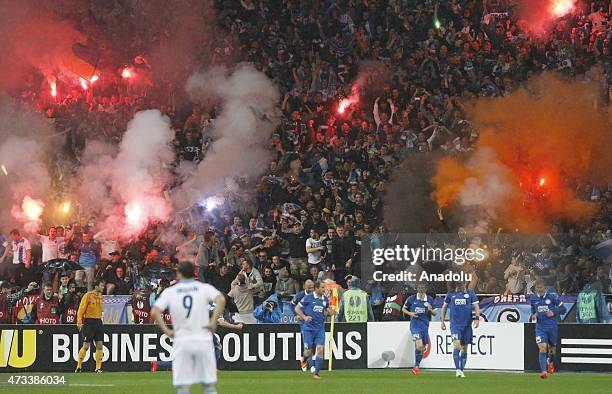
(418, 356)
(164, 364)
(311, 361)
(549, 358)
(183, 391)
(210, 391)
(542, 358)
(463, 360)
(457, 358)
(318, 365)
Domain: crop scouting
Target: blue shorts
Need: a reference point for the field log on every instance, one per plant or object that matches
(463, 334)
(420, 334)
(546, 335)
(217, 345)
(313, 338)
(302, 332)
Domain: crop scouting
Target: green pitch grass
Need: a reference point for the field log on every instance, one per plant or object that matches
(336, 382)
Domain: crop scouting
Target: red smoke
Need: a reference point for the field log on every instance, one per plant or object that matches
(30, 38)
(537, 16)
(532, 146)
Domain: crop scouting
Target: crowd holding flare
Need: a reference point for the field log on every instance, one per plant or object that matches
(528, 144)
(346, 102)
(538, 17)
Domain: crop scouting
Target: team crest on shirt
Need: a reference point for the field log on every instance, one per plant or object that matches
(466, 295)
(547, 302)
(426, 304)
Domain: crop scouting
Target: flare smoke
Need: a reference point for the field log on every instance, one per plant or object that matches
(535, 146)
(247, 99)
(126, 187)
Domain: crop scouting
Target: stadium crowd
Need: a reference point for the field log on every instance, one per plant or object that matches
(304, 218)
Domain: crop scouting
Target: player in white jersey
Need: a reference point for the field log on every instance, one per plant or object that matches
(192, 329)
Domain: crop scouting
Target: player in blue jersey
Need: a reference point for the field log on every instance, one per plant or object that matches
(308, 289)
(420, 309)
(312, 310)
(545, 307)
(461, 304)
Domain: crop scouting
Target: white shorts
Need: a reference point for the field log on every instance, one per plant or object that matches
(194, 363)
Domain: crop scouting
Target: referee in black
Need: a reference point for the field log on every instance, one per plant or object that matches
(89, 322)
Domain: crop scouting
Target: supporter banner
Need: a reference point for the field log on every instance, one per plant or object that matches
(580, 347)
(516, 308)
(54, 348)
(494, 346)
(114, 309)
(287, 313)
(279, 346)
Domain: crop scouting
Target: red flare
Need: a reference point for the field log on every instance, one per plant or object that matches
(32, 209)
(53, 86)
(127, 73)
(347, 102)
(560, 8)
(133, 213)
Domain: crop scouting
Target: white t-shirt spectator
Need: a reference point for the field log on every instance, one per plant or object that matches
(50, 248)
(19, 250)
(314, 258)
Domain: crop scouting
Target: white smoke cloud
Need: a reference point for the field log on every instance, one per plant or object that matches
(487, 191)
(125, 187)
(241, 130)
(25, 140)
